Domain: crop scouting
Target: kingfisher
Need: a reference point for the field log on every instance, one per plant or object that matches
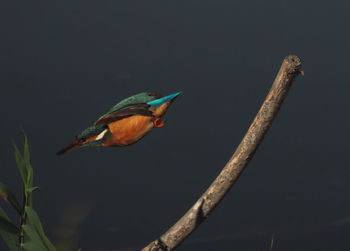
(126, 122)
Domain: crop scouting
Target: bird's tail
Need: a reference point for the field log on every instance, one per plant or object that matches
(68, 148)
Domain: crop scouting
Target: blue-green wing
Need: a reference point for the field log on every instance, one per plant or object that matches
(134, 105)
(140, 98)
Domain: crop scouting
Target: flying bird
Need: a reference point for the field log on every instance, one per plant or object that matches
(126, 122)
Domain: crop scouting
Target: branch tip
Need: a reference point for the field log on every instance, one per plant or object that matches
(290, 68)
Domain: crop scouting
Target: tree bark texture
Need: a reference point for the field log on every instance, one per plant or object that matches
(290, 68)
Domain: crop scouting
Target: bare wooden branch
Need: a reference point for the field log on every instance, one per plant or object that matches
(290, 68)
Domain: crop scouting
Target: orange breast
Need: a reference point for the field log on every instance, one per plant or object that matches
(129, 130)
(160, 111)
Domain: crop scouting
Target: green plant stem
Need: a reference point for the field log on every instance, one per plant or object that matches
(23, 219)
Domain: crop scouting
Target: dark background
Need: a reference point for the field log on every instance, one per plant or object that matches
(64, 63)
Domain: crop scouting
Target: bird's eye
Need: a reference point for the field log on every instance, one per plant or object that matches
(82, 139)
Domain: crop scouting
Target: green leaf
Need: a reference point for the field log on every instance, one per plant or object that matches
(26, 158)
(34, 243)
(31, 189)
(33, 219)
(28, 186)
(25, 169)
(9, 197)
(20, 164)
(26, 152)
(32, 246)
(29, 182)
(8, 231)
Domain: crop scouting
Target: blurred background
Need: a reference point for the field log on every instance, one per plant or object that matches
(64, 63)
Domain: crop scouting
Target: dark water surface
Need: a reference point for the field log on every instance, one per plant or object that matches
(64, 63)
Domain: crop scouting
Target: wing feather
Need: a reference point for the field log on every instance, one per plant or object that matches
(136, 109)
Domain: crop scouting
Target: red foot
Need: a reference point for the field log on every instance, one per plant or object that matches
(158, 122)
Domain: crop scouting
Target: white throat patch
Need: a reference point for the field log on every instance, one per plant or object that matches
(100, 136)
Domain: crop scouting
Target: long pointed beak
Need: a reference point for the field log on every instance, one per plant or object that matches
(173, 96)
(163, 100)
(67, 149)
